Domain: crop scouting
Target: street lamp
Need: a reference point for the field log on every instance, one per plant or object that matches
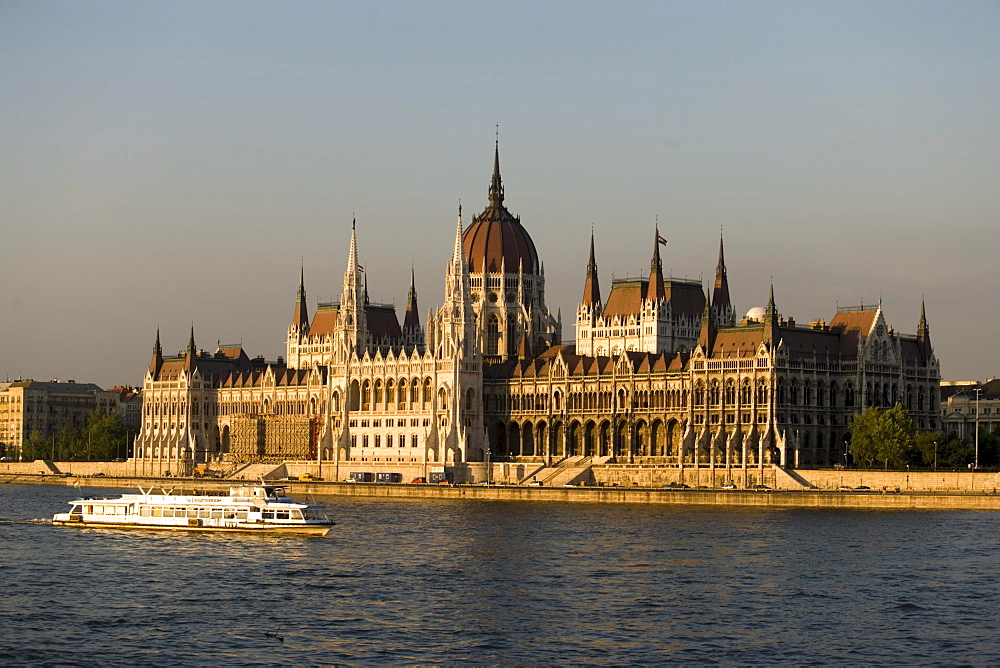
(978, 392)
(935, 455)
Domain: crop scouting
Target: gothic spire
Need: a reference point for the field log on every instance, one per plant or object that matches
(706, 338)
(300, 317)
(592, 288)
(157, 361)
(771, 321)
(720, 295)
(656, 291)
(496, 187)
(192, 352)
(411, 320)
(924, 333)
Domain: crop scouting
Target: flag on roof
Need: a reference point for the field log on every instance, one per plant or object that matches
(660, 239)
(360, 268)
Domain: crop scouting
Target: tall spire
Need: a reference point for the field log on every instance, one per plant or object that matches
(724, 312)
(924, 333)
(352, 321)
(157, 361)
(411, 320)
(192, 352)
(592, 288)
(656, 291)
(706, 338)
(496, 188)
(771, 321)
(300, 317)
(458, 255)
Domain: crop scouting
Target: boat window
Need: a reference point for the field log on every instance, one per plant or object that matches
(120, 510)
(76, 510)
(295, 514)
(89, 510)
(217, 513)
(315, 514)
(157, 511)
(268, 514)
(204, 513)
(168, 512)
(192, 512)
(98, 510)
(144, 511)
(241, 514)
(281, 514)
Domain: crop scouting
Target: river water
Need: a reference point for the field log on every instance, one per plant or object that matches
(485, 582)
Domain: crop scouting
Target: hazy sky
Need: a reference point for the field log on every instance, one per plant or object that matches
(164, 163)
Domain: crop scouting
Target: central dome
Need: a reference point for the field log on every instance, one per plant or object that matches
(496, 238)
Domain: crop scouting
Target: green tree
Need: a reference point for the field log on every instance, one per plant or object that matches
(35, 447)
(883, 436)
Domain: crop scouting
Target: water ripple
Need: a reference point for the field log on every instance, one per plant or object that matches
(419, 582)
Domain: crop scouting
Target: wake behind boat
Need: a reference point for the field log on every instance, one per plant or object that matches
(246, 509)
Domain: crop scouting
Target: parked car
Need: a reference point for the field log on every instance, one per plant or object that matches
(418, 481)
(845, 488)
(761, 488)
(535, 483)
(729, 485)
(676, 485)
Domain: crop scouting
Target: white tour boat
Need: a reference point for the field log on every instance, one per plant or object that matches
(246, 509)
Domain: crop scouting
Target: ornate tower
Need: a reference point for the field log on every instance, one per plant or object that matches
(722, 307)
(506, 280)
(351, 331)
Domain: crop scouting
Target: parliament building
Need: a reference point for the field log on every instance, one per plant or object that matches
(660, 372)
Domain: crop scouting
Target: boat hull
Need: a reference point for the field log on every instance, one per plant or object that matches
(316, 530)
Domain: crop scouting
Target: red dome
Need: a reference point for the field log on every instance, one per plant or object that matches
(496, 238)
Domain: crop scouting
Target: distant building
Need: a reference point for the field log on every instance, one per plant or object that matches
(48, 408)
(129, 407)
(659, 373)
(964, 404)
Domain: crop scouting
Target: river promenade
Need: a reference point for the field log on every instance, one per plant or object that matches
(875, 499)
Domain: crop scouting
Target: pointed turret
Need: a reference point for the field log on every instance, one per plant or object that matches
(411, 321)
(156, 363)
(300, 317)
(725, 314)
(656, 291)
(352, 321)
(771, 321)
(496, 187)
(192, 352)
(924, 333)
(706, 338)
(592, 288)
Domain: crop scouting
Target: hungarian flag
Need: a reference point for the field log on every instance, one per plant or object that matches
(76, 483)
(360, 268)
(660, 239)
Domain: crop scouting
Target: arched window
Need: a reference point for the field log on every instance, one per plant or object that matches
(427, 391)
(730, 392)
(366, 396)
(378, 395)
(493, 335)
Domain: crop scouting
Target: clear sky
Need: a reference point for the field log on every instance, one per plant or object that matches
(163, 163)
